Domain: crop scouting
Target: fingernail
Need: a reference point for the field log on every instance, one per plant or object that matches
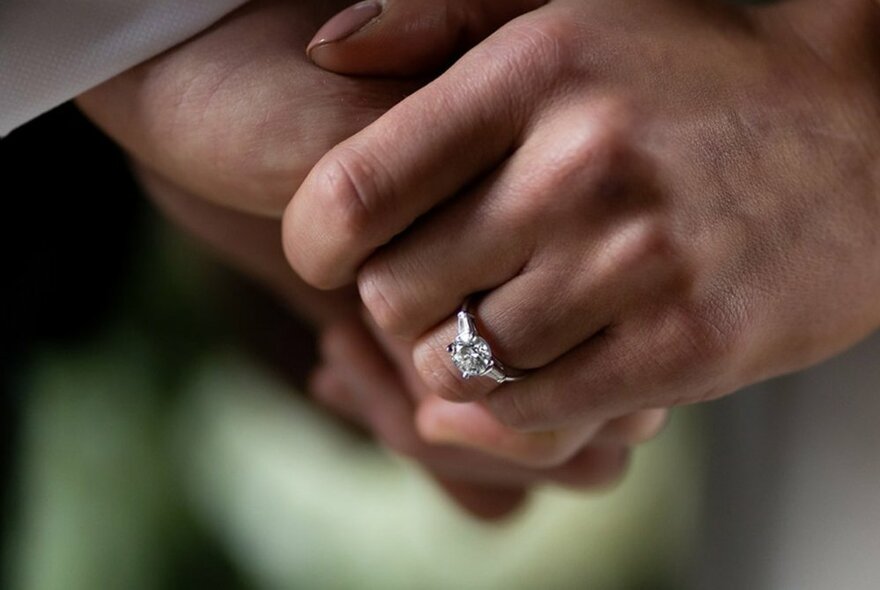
(346, 23)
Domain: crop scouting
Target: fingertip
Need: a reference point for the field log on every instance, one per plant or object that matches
(373, 38)
(348, 205)
(345, 24)
(408, 37)
(650, 426)
(472, 426)
(313, 235)
(329, 390)
(595, 468)
(486, 503)
(633, 429)
(618, 467)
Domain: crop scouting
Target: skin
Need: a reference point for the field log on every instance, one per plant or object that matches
(238, 115)
(222, 151)
(659, 203)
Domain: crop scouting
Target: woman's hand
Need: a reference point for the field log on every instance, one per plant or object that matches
(210, 164)
(661, 202)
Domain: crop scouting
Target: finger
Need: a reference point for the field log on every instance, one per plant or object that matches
(594, 468)
(664, 358)
(473, 426)
(482, 501)
(570, 285)
(486, 502)
(425, 275)
(399, 353)
(331, 391)
(390, 418)
(633, 429)
(563, 457)
(536, 318)
(374, 185)
(373, 385)
(405, 37)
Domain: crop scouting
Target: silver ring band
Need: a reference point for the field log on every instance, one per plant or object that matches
(472, 355)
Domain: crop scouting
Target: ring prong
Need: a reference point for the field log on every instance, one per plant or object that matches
(472, 355)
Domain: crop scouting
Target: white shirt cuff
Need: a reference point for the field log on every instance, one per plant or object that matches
(54, 50)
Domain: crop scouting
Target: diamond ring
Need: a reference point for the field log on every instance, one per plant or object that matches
(472, 355)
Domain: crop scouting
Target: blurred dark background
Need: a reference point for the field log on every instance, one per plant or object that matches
(69, 227)
(153, 434)
(74, 229)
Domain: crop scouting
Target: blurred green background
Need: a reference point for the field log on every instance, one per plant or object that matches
(148, 443)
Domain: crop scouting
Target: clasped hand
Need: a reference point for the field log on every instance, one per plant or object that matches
(657, 204)
(651, 204)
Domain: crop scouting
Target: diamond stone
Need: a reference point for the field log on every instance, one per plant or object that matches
(471, 355)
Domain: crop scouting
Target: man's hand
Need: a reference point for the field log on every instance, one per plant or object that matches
(661, 201)
(238, 115)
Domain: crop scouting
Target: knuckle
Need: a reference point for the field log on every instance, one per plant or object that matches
(604, 149)
(543, 40)
(347, 187)
(641, 245)
(645, 242)
(597, 156)
(604, 138)
(606, 144)
(332, 215)
(704, 339)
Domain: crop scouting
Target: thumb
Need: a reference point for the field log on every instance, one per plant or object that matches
(407, 37)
